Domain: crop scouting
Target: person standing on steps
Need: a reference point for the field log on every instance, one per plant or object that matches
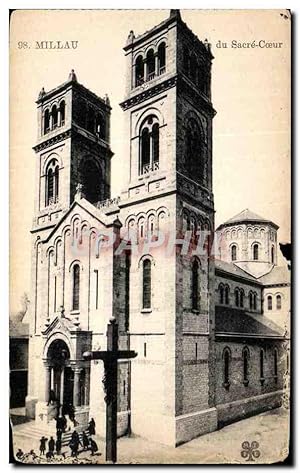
(74, 444)
(94, 446)
(85, 441)
(43, 441)
(92, 427)
(58, 445)
(51, 447)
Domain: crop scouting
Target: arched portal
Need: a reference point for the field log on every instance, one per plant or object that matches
(67, 380)
(60, 377)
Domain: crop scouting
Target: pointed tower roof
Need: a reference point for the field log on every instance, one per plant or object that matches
(246, 216)
(175, 14)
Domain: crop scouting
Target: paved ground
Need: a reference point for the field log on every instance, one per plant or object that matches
(269, 429)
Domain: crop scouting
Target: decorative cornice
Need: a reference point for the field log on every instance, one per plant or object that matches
(52, 141)
(236, 335)
(72, 132)
(238, 277)
(148, 93)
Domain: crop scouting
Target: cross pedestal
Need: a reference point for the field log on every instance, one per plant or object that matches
(110, 359)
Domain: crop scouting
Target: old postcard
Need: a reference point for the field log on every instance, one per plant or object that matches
(150, 236)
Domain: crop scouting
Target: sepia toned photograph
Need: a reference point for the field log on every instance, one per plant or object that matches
(150, 236)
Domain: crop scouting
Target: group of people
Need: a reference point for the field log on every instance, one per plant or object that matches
(86, 441)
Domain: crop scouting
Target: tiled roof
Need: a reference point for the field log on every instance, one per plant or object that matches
(18, 329)
(247, 216)
(233, 269)
(236, 321)
(278, 275)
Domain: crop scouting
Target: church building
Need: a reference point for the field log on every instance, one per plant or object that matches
(209, 327)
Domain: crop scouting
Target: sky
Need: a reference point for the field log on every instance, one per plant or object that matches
(250, 92)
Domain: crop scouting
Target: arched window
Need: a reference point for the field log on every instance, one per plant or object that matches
(202, 79)
(150, 60)
(52, 183)
(255, 301)
(193, 226)
(261, 364)
(233, 253)
(226, 362)
(255, 251)
(193, 150)
(100, 126)
(146, 284)
(90, 126)
(278, 302)
(50, 187)
(237, 297)
(227, 290)
(149, 145)
(193, 68)
(250, 300)
(155, 142)
(145, 148)
(62, 109)
(127, 290)
(161, 58)
(56, 183)
(221, 293)
(46, 121)
(272, 255)
(76, 284)
(151, 225)
(54, 113)
(142, 227)
(195, 285)
(246, 356)
(241, 298)
(91, 180)
(269, 299)
(275, 359)
(139, 71)
(185, 221)
(186, 61)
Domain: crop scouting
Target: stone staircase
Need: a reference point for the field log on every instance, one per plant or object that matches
(36, 430)
(66, 436)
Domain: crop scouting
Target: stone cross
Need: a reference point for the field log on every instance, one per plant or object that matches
(110, 359)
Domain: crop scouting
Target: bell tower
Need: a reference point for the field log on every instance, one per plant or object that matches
(168, 110)
(168, 186)
(73, 147)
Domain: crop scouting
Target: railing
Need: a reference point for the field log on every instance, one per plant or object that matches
(54, 126)
(150, 76)
(108, 202)
(140, 80)
(53, 200)
(150, 167)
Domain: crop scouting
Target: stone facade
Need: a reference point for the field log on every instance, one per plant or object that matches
(173, 391)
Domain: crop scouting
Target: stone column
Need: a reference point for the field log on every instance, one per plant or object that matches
(87, 387)
(76, 392)
(156, 64)
(47, 383)
(52, 378)
(61, 396)
(145, 71)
